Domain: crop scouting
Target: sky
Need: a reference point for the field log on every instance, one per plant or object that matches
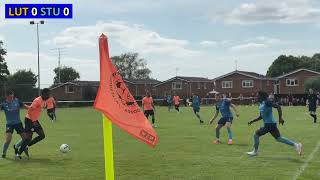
(206, 38)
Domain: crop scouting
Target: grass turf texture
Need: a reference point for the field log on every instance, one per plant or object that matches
(185, 149)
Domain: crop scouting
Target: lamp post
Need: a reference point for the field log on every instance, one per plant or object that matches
(37, 23)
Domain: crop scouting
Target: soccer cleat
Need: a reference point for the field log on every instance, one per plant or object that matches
(3, 156)
(252, 153)
(18, 156)
(201, 122)
(217, 141)
(298, 148)
(26, 152)
(154, 126)
(15, 149)
(230, 142)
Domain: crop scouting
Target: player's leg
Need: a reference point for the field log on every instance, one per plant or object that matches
(314, 115)
(26, 138)
(218, 127)
(6, 144)
(256, 140)
(54, 114)
(197, 113)
(276, 134)
(153, 118)
(39, 130)
(177, 107)
(228, 125)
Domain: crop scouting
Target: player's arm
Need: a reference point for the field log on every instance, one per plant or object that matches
(22, 105)
(215, 115)
(255, 120)
(142, 105)
(235, 109)
(279, 109)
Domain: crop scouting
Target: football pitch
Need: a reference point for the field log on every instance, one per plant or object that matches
(184, 152)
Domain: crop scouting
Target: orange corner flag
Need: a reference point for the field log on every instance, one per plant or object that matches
(116, 102)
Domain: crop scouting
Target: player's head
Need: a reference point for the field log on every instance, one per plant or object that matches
(45, 93)
(262, 96)
(148, 94)
(311, 91)
(218, 96)
(10, 95)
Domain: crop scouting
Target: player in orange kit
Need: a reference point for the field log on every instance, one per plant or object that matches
(51, 108)
(176, 100)
(32, 122)
(148, 107)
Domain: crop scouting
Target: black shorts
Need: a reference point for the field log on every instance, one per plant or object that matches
(148, 113)
(196, 110)
(18, 127)
(224, 120)
(52, 110)
(32, 126)
(312, 108)
(269, 128)
(177, 106)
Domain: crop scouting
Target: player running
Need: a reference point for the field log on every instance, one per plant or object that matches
(312, 104)
(51, 109)
(11, 107)
(32, 123)
(270, 124)
(169, 102)
(148, 108)
(196, 101)
(176, 100)
(223, 106)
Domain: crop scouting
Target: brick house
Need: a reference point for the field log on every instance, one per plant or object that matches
(242, 82)
(293, 82)
(184, 86)
(139, 87)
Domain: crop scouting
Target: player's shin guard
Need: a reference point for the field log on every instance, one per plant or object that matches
(217, 132)
(286, 141)
(18, 144)
(229, 132)
(256, 142)
(23, 146)
(5, 148)
(37, 139)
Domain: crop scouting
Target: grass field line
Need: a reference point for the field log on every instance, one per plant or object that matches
(305, 165)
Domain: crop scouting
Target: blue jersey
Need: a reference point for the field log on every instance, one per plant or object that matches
(169, 99)
(12, 111)
(224, 107)
(265, 109)
(196, 102)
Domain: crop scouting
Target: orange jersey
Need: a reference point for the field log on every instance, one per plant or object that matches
(147, 103)
(176, 100)
(35, 109)
(51, 103)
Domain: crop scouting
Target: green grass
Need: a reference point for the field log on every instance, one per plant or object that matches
(185, 150)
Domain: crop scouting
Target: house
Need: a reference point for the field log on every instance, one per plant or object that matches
(87, 90)
(184, 86)
(139, 87)
(243, 82)
(293, 82)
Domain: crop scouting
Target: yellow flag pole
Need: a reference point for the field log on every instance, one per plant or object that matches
(108, 148)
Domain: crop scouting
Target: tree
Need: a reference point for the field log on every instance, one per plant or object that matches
(23, 83)
(4, 72)
(313, 83)
(131, 66)
(67, 74)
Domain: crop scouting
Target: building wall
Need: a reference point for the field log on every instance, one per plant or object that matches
(237, 88)
(301, 76)
(61, 95)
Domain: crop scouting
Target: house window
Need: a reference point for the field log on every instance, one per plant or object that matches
(204, 85)
(69, 89)
(176, 85)
(198, 85)
(226, 84)
(292, 82)
(247, 83)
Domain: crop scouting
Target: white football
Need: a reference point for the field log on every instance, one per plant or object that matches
(64, 148)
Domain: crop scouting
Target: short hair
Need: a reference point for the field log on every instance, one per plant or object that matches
(9, 92)
(45, 91)
(263, 95)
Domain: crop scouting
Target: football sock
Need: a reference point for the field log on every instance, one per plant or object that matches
(229, 133)
(5, 148)
(285, 141)
(256, 142)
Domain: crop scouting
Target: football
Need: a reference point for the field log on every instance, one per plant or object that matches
(64, 148)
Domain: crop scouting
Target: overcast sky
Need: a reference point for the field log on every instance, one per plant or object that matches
(201, 38)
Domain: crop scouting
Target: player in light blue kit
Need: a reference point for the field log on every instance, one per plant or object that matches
(270, 125)
(11, 107)
(196, 101)
(223, 105)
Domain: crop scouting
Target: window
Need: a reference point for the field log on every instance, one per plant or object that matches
(199, 85)
(247, 83)
(292, 82)
(226, 84)
(204, 85)
(69, 89)
(176, 85)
